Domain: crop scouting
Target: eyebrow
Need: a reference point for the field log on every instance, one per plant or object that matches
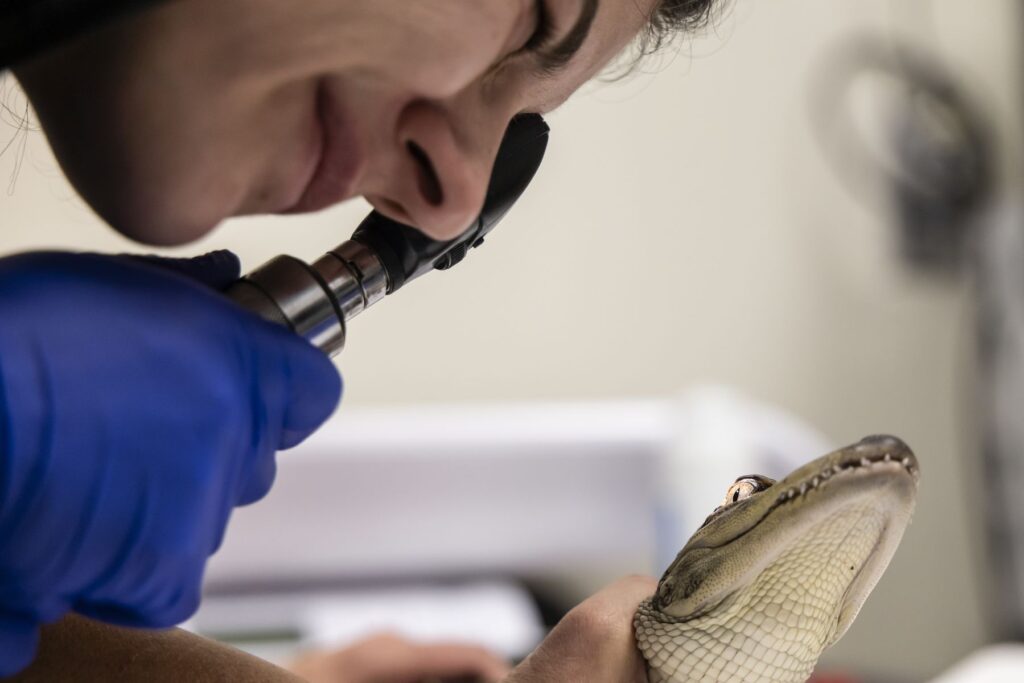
(555, 58)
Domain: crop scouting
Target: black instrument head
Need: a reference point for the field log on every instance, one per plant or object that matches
(407, 253)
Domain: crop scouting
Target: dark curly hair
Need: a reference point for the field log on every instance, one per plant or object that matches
(672, 18)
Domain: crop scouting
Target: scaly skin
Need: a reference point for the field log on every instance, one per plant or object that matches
(770, 580)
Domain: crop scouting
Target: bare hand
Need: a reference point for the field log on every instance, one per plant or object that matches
(594, 642)
(391, 659)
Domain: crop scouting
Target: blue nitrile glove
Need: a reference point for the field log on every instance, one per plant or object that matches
(138, 407)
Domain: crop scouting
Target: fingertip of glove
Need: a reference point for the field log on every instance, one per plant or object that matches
(224, 264)
(216, 269)
(256, 486)
(185, 603)
(315, 391)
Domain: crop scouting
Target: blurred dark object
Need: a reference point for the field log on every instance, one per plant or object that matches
(1000, 349)
(999, 284)
(894, 120)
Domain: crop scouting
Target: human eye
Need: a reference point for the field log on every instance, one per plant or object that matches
(543, 28)
(535, 34)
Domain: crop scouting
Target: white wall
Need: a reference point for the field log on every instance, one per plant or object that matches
(685, 228)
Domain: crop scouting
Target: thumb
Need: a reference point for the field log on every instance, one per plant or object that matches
(216, 269)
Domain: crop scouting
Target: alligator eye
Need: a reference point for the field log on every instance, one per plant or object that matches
(743, 488)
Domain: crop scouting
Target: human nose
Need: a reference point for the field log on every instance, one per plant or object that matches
(443, 170)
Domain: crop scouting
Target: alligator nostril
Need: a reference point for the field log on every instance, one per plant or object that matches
(426, 176)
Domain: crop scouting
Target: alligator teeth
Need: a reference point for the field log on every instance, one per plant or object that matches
(905, 462)
(887, 457)
(815, 482)
(803, 488)
(864, 462)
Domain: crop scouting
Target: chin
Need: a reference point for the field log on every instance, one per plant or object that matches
(159, 209)
(160, 225)
(168, 234)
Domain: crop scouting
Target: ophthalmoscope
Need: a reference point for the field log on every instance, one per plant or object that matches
(317, 300)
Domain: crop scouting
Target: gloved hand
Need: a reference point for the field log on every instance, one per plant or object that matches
(138, 407)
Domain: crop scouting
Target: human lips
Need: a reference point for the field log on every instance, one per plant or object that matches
(340, 157)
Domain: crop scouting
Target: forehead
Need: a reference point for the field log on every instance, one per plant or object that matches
(616, 24)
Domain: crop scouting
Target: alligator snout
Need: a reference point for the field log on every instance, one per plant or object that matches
(884, 441)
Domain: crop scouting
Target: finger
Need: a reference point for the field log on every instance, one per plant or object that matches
(216, 269)
(622, 597)
(314, 390)
(595, 641)
(606, 621)
(168, 596)
(298, 389)
(260, 478)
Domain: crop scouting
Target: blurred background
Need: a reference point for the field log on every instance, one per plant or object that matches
(801, 227)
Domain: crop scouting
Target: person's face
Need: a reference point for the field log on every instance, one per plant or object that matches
(182, 116)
